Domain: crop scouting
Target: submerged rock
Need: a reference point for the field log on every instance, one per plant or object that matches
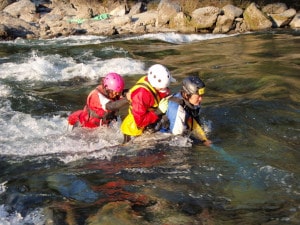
(70, 186)
(116, 213)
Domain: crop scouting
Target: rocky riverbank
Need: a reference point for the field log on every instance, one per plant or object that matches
(48, 19)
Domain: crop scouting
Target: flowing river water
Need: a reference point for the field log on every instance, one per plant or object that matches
(50, 174)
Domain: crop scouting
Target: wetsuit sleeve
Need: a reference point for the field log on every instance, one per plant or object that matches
(176, 115)
(142, 101)
(116, 105)
(197, 130)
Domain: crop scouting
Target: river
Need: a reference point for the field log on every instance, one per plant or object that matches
(51, 174)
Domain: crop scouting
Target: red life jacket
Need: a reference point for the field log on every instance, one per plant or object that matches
(94, 113)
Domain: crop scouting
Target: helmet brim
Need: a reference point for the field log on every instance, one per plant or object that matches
(173, 80)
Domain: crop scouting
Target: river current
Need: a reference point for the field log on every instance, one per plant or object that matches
(51, 174)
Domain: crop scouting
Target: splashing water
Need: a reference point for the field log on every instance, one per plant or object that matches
(251, 107)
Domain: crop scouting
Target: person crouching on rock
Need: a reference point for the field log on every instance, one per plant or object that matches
(102, 103)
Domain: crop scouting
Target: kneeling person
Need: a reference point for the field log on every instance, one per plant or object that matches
(102, 103)
(146, 106)
(184, 109)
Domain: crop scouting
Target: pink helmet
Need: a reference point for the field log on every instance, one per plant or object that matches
(114, 82)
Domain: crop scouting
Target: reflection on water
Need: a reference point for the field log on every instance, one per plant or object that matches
(251, 108)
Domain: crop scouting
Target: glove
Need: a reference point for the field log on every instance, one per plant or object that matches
(163, 106)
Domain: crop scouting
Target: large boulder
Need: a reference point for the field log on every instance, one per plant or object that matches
(23, 9)
(15, 27)
(181, 22)
(206, 17)
(255, 19)
(118, 11)
(98, 27)
(60, 20)
(284, 18)
(88, 9)
(62, 9)
(78, 8)
(136, 9)
(232, 11)
(167, 9)
(118, 212)
(121, 21)
(54, 25)
(274, 8)
(295, 23)
(225, 22)
(145, 19)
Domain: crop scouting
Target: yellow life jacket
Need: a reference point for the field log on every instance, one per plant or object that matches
(129, 125)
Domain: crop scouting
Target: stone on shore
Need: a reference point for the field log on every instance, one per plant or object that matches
(274, 8)
(48, 19)
(15, 27)
(295, 23)
(206, 17)
(255, 19)
(226, 22)
(24, 9)
(284, 18)
(166, 11)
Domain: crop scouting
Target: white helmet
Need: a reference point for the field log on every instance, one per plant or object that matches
(159, 76)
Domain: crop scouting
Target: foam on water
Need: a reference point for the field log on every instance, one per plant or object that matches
(24, 135)
(77, 40)
(176, 38)
(63, 41)
(52, 68)
(171, 37)
(4, 90)
(3, 187)
(7, 218)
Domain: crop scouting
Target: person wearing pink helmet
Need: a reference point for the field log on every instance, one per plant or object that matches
(102, 103)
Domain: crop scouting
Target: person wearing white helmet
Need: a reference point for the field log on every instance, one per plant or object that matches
(147, 101)
(183, 113)
(102, 103)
